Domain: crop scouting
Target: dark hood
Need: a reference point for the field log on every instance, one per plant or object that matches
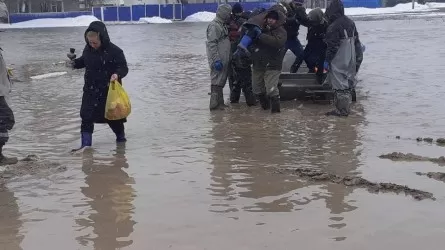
(335, 10)
(281, 15)
(98, 26)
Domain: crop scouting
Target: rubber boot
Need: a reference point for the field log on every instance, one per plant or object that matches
(342, 102)
(7, 160)
(214, 103)
(264, 101)
(275, 104)
(221, 103)
(121, 137)
(235, 94)
(249, 96)
(86, 141)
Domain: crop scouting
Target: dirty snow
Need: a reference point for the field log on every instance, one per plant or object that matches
(53, 22)
(154, 20)
(48, 75)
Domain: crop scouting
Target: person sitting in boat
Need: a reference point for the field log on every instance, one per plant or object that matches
(315, 50)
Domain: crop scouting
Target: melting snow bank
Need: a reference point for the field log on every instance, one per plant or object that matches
(154, 20)
(204, 16)
(44, 76)
(79, 21)
(400, 8)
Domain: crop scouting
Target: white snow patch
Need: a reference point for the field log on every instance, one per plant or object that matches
(44, 76)
(53, 22)
(399, 8)
(436, 5)
(154, 20)
(203, 16)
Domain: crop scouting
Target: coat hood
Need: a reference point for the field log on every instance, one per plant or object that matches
(224, 12)
(335, 10)
(100, 28)
(316, 15)
(281, 15)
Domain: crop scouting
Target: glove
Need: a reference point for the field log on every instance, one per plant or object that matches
(217, 65)
(326, 66)
(254, 33)
(363, 48)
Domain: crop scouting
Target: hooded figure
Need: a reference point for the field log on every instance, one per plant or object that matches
(7, 120)
(342, 54)
(267, 52)
(219, 54)
(315, 50)
(240, 72)
(296, 16)
(103, 62)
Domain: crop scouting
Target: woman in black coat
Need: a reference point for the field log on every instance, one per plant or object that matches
(103, 62)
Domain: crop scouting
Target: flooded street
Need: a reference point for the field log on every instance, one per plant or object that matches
(189, 178)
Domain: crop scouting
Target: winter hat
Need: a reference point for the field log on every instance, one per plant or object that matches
(272, 14)
(237, 8)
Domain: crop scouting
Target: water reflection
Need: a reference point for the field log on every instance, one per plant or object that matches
(111, 194)
(10, 223)
(248, 143)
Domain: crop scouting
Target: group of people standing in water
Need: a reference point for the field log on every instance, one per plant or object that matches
(248, 48)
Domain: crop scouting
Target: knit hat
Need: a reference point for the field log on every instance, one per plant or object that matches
(237, 8)
(273, 14)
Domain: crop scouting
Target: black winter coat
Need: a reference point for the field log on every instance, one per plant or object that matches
(338, 22)
(297, 17)
(99, 66)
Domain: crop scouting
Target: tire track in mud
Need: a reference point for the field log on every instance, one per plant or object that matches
(354, 181)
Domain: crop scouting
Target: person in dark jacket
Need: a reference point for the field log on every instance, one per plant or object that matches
(7, 120)
(315, 50)
(240, 75)
(103, 62)
(296, 16)
(265, 40)
(344, 50)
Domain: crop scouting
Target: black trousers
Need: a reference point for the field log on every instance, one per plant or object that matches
(7, 120)
(117, 127)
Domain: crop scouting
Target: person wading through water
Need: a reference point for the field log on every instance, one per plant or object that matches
(103, 62)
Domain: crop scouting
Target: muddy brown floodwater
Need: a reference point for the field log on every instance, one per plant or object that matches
(191, 179)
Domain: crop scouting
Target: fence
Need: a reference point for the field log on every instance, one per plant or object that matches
(168, 11)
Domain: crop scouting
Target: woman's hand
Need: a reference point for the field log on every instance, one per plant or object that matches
(114, 77)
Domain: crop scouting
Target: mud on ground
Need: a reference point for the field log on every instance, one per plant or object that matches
(353, 181)
(433, 175)
(30, 165)
(398, 156)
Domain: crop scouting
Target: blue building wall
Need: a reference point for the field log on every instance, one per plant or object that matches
(168, 11)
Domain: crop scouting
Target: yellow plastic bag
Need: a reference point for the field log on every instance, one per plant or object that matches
(118, 104)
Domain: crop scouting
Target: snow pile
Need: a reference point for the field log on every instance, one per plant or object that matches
(399, 8)
(435, 5)
(53, 22)
(154, 20)
(44, 76)
(359, 11)
(204, 16)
